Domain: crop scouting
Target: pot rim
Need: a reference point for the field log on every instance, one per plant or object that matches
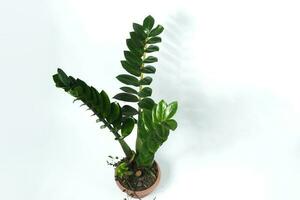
(141, 193)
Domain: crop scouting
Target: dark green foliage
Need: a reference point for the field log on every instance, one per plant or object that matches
(146, 81)
(148, 69)
(153, 131)
(99, 103)
(131, 68)
(129, 110)
(150, 59)
(156, 31)
(148, 23)
(152, 48)
(115, 112)
(127, 127)
(105, 103)
(145, 92)
(146, 103)
(154, 121)
(132, 58)
(154, 40)
(126, 97)
(128, 79)
(129, 90)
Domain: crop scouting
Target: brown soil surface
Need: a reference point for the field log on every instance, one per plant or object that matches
(146, 180)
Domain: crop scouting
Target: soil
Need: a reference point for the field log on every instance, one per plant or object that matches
(138, 183)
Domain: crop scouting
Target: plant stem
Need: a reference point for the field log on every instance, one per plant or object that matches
(140, 98)
(125, 147)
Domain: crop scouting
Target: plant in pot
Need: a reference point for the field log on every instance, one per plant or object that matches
(137, 173)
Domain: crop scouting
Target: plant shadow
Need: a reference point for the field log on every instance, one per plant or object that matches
(208, 123)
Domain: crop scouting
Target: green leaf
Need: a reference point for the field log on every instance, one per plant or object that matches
(171, 124)
(146, 103)
(131, 58)
(72, 79)
(77, 91)
(146, 81)
(147, 120)
(127, 127)
(148, 22)
(134, 48)
(58, 82)
(129, 111)
(156, 31)
(153, 144)
(128, 79)
(105, 102)
(139, 30)
(122, 170)
(152, 48)
(138, 40)
(131, 68)
(171, 110)
(95, 95)
(150, 59)
(162, 132)
(159, 112)
(114, 113)
(63, 77)
(148, 69)
(154, 40)
(146, 91)
(129, 90)
(126, 97)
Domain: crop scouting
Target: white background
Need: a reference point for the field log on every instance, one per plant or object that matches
(232, 65)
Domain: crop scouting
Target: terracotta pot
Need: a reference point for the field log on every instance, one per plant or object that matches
(141, 193)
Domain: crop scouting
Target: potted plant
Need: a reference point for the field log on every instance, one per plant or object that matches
(137, 173)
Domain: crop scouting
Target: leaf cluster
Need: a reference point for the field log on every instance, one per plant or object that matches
(154, 120)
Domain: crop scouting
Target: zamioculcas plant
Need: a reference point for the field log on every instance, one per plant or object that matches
(137, 173)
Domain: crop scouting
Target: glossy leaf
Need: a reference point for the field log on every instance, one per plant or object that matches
(156, 31)
(95, 95)
(131, 58)
(128, 79)
(172, 124)
(146, 81)
(148, 69)
(154, 40)
(138, 40)
(170, 110)
(63, 77)
(159, 111)
(127, 127)
(58, 82)
(152, 48)
(147, 119)
(145, 92)
(139, 30)
(148, 22)
(106, 103)
(117, 121)
(153, 131)
(126, 97)
(114, 113)
(129, 111)
(99, 103)
(150, 59)
(146, 103)
(129, 90)
(134, 48)
(131, 68)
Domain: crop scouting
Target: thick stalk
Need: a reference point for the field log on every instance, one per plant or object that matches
(140, 89)
(125, 147)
